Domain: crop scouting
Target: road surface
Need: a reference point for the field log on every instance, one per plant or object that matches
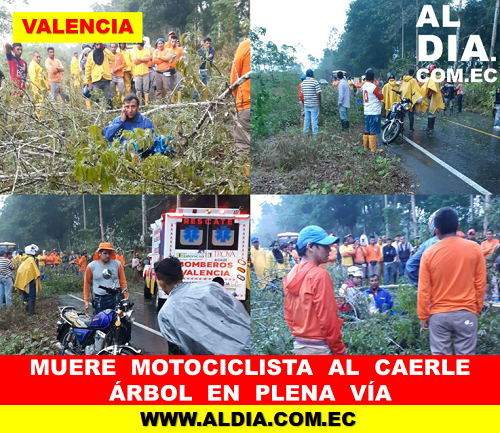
(464, 154)
(145, 331)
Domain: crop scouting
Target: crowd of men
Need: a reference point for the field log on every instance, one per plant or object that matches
(450, 272)
(376, 96)
(133, 76)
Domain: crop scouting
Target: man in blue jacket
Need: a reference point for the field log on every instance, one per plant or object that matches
(128, 120)
(383, 299)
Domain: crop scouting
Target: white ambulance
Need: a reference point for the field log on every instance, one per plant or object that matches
(209, 243)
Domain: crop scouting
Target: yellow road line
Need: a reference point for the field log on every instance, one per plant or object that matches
(478, 130)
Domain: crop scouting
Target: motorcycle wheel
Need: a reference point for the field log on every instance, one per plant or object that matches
(68, 337)
(391, 132)
(127, 351)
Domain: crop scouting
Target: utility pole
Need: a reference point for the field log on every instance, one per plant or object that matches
(458, 33)
(386, 219)
(100, 218)
(84, 216)
(414, 215)
(144, 221)
(494, 34)
(416, 39)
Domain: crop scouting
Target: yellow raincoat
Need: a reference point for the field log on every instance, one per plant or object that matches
(39, 81)
(274, 269)
(95, 72)
(27, 272)
(390, 97)
(259, 259)
(436, 103)
(75, 72)
(409, 86)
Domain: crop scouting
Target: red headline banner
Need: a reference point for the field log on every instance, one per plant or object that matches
(225, 380)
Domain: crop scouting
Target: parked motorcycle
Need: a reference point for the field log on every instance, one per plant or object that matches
(394, 125)
(104, 334)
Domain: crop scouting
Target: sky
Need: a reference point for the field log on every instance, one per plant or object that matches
(256, 201)
(292, 22)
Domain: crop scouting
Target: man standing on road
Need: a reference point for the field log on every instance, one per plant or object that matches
(28, 279)
(54, 68)
(259, 260)
(344, 100)
(389, 253)
(487, 248)
(104, 259)
(310, 306)
(6, 282)
(312, 102)
(372, 97)
(373, 255)
(411, 90)
(432, 100)
(404, 250)
(451, 288)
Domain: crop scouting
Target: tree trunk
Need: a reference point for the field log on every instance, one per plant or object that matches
(100, 218)
(487, 200)
(414, 214)
(402, 31)
(386, 219)
(458, 33)
(494, 34)
(84, 215)
(144, 221)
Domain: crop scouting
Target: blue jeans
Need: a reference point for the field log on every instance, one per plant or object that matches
(402, 267)
(389, 270)
(6, 284)
(343, 113)
(103, 303)
(497, 117)
(31, 296)
(311, 118)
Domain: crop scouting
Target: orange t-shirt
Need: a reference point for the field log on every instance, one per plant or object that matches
(452, 277)
(119, 64)
(372, 253)
(359, 255)
(487, 247)
(160, 59)
(54, 76)
(170, 52)
(241, 66)
(358, 85)
(121, 259)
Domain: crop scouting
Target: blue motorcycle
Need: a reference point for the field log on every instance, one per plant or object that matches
(107, 333)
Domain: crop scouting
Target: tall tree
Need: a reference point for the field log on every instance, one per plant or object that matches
(493, 33)
(101, 223)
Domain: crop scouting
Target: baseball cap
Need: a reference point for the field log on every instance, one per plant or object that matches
(254, 240)
(309, 73)
(316, 235)
(471, 232)
(2, 252)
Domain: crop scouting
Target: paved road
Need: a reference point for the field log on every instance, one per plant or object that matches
(465, 142)
(145, 329)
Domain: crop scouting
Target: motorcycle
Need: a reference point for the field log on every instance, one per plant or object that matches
(393, 126)
(104, 334)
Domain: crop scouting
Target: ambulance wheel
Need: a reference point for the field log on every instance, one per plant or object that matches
(147, 292)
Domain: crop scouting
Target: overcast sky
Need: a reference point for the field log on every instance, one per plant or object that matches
(291, 22)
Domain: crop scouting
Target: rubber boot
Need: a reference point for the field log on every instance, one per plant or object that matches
(373, 142)
(346, 125)
(179, 96)
(411, 124)
(365, 141)
(343, 125)
(123, 98)
(88, 104)
(302, 124)
(146, 99)
(31, 308)
(433, 121)
(430, 126)
(173, 98)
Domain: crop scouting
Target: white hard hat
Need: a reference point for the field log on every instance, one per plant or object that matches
(354, 271)
(150, 255)
(31, 249)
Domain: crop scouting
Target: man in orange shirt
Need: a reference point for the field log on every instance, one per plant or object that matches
(451, 288)
(54, 68)
(117, 67)
(241, 65)
(310, 306)
(359, 258)
(165, 77)
(119, 256)
(373, 255)
(174, 55)
(487, 248)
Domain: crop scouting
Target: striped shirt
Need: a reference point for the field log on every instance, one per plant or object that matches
(310, 89)
(6, 268)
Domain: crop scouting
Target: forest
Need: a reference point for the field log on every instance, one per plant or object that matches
(57, 148)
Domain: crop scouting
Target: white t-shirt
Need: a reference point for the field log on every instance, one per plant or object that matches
(372, 105)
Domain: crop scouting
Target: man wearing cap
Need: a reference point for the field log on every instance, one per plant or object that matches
(310, 306)
(312, 102)
(350, 288)
(28, 279)
(258, 257)
(104, 258)
(471, 236)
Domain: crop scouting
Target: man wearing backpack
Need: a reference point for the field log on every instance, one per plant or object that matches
(404, 250)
